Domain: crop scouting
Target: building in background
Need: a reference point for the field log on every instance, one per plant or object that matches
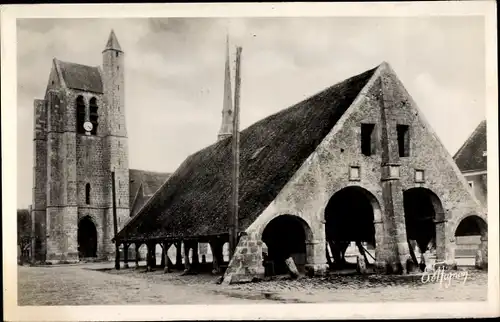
(80, 138)
(471, 159)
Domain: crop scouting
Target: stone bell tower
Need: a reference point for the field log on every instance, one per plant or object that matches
(80, 137)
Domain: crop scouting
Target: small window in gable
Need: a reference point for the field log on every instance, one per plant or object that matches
(403, 132)
(87, 193)
(367, 139)
(93, 115)
(471, 184)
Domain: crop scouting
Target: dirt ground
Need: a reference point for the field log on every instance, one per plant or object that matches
(92, 284)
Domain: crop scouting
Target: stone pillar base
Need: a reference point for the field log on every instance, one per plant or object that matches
(316, 269)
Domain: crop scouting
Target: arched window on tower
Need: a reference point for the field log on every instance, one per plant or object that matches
(87, 193)
(93, 115)
(80, 114)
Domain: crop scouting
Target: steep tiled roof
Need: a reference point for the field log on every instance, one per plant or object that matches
(146, 183)
(470, 156)
(195, 201)
(82, 77)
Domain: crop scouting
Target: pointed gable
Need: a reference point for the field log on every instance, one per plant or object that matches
(195, 201)
(80, 77)
(142, 185)
(471, 156)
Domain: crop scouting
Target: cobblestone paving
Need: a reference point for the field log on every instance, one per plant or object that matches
(76, 285)
(335, 288)
(94, 284)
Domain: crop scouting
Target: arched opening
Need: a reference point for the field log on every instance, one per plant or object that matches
(87, 193)
(80, 114)
(424, 219)
(470, 236)
(349, 227)
(285, 236)
(93, 117)
(87, 238)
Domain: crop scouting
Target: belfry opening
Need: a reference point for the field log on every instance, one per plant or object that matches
(87, 238)
(349, 217)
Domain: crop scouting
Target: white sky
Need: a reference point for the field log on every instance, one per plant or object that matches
(174, 72)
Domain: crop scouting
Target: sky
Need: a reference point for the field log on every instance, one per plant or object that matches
(174, 70)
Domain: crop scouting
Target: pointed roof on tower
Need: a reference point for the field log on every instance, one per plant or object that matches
(112, 43)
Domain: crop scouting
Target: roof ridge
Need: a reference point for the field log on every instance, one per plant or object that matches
(73, 63)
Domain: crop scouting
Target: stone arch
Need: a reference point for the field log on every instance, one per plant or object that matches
(352, 214)
(471, 238)
(425, 220)
(87, 237)
(80, 114)
(288, 236)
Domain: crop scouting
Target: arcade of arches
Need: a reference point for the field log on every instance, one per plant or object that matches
(351, 230)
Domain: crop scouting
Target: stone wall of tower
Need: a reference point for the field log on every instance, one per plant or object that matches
(116, 144)
(61, 180)
(39, 201)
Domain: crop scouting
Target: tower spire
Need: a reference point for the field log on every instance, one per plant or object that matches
(112, 43)
(226, 128)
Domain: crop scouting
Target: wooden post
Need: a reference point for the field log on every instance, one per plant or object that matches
(187, 265)
(162, 263)
(125, 255)
(115, 222)
(137, 246)
(195, 258)
(178, 255)
(233, 222)
(166, 259)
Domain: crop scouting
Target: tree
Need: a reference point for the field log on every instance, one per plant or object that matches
(23, 232)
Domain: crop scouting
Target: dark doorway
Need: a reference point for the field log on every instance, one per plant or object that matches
(420, 216)
(349, 217)
(87, 238)
(285, 236)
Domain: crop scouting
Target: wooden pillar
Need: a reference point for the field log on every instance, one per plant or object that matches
(178, 255)
(166, 259)
(217, 258)
(163, 255)
(137, 246)
(196, 258)
(125, 255)
(150, 254)
(187, 264)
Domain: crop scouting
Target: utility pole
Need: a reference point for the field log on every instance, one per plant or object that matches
(33, 235)
(233, 223)
(115, 222)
